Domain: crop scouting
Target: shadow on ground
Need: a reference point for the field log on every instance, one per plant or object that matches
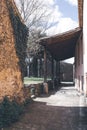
(61, 110)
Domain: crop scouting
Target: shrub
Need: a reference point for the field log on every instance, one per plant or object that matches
(9, 112)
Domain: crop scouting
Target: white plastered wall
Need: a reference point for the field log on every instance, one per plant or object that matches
(85, 44)
(79, 71)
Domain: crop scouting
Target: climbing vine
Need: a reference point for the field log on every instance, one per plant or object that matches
(21, 35)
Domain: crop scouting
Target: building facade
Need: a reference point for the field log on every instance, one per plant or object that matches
(81, 50)
(79, 65)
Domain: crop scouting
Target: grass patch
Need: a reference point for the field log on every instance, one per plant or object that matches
(32, 80)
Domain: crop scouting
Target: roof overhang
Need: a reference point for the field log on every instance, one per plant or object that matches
(62, 46)
(80, 12)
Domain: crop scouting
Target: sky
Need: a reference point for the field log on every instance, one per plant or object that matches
(64, 16)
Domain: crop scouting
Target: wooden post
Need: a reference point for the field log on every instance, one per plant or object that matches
(45, 65)
(45, 71)
(59, 72)
(52, 72)
(56, 70)
(40, 67)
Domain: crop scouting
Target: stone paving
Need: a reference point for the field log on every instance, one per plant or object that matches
(62, 110)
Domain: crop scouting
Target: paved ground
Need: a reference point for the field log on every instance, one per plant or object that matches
(62, 110)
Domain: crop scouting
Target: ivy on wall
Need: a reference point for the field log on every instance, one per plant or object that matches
(21, 36)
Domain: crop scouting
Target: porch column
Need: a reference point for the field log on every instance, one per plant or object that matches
(38, 67)
(45, 64)
(59, 72)
(56, 70)
(52, 68)
(52, 72)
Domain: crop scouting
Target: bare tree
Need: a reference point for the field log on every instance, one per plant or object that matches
(35, 14)
(33, 46)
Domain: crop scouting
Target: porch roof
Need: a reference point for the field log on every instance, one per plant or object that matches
(62, 46)
(80, 12)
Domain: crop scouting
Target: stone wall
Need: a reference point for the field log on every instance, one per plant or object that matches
(10, 69)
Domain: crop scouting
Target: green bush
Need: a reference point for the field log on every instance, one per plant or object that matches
(9, 112)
